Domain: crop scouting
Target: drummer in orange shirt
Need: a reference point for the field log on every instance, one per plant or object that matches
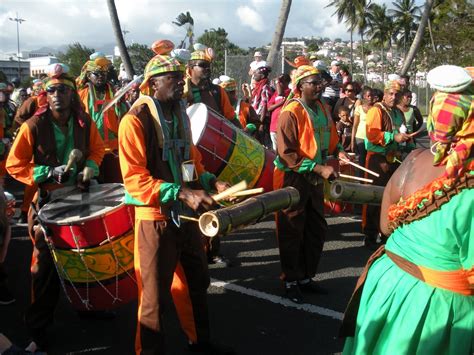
(39, 156)
(153, 153)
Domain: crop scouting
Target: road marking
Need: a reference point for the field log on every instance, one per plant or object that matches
(277, 299)
(89, 350)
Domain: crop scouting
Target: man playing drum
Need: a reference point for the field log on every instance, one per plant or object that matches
(39, 156)
(305, 136)
(200, 89)
(153, 151)
(95, 92)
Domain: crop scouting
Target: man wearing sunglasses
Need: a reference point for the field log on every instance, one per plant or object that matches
(306, 135)
(199, 88)
(39, 156)
(169, 257)
(95, 91)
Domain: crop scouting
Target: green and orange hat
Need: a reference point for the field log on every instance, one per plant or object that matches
(97, 62)
(202, 52)
(167, 59)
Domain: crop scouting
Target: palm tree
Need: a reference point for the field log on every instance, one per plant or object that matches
(186, 19)
(415, 46)
(406, 16)
(380, 29)
(279, 32)
(119, 38)
(353, 15)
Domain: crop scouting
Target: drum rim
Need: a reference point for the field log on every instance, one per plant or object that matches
(196, 108)
(84, 219)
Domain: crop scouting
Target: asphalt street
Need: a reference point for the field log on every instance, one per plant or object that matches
(247, 310)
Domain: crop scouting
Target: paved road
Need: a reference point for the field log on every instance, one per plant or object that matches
(246, 308)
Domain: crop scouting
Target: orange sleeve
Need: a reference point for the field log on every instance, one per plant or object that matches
(20, 159)
(244, 113)
(96, 145)
(373, 127)
(138, 181)
(84, 97)
(333, 139)
(226, 106)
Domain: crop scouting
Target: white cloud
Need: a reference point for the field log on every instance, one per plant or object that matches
(166, 29)
(250, 18)
(72, 11)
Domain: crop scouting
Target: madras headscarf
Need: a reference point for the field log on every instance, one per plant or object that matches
(97, 62)
(202, 52)
(392, 84)
(298, 61)
(451, 126)
(167, 59)
(301, 73)
(58, 74)
(228, 83)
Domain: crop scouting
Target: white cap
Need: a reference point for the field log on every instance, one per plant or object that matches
(216, 81)
(335, 62)
(260, 64)
(257, 54)
(320, 65)
(392, 77)
(449, 78)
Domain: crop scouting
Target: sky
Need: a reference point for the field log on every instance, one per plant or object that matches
(248, 23)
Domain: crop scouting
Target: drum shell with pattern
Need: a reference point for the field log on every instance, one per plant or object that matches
(228, 152)
(93, 254)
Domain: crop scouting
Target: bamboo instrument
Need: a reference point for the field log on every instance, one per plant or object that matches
(356, 193)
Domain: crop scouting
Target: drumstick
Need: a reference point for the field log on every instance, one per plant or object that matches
(359, 167)
(230, 191)
(356, 178)
(74, 157)
(188, 218)
(248, 192)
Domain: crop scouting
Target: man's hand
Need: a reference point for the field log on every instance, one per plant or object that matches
(58, 174)
(196, 199)
(86, 175)
(221, 186)
(401, 137)
(326, 172)
(343, 156)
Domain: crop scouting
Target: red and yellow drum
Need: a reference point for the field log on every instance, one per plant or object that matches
(91, 239)
(228, 152)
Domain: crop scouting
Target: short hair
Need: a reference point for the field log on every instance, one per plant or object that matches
(354, 84)
(343, 108)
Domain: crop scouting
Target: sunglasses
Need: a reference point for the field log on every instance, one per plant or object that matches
(61, 89)
(203, 65)
(99, 73)
(312, 82)
(349, 90)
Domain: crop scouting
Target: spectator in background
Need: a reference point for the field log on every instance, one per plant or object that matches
(413, 117)
(358, 128)
(350, 89)
(344, 127)
(257, 62)
(331, 93)
(377, 95)
(275, 104)
(261, 93)
(404, 82)
(346, 76)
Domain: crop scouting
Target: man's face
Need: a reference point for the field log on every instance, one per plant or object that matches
(168, 87)
(59, 97)
(201, 70)
(311, 87)
(98, 78)
(402, 82)
(389, 97)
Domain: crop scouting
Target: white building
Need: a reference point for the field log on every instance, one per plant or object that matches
(38, 65)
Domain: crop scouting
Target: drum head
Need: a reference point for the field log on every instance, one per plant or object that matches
(77, 205)
(198, 116)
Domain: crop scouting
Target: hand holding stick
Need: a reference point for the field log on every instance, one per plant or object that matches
(74, 157)
(230, 191)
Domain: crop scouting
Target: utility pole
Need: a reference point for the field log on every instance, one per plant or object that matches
(18, 22)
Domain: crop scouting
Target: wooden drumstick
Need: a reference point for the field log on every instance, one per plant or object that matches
(182, 216)
(230, 191)
(356, 178)
(258, 190)
(74, 157)
(359, 167)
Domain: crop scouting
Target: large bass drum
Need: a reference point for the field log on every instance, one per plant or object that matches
(91, 237)
(228, 152)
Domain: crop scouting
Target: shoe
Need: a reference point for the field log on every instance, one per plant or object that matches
(5, 295)
(97, 315)
(220, 260)
(313, 287)
(23, 219)
(293, 293)
(33, 349)
(208, 348)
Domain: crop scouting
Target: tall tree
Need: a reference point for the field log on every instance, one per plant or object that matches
(186, 19)
(75, 57)
(380, 30)
(415, 46)
(279, 32)
(119, 38)
(140, 55)
(217, 40)
(406, 15)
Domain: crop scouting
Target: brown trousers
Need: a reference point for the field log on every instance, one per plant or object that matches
(170, 261)
(301, 231)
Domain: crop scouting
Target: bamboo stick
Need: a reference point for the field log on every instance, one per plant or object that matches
(248, 192)
(230, 191)
(360, 167)
(356, 178)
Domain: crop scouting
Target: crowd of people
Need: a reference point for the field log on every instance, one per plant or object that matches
(305, 117)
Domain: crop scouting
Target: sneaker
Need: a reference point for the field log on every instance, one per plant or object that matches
(220, 260)
(313, 287)
(293, 293)
(5, 295)
(209, 348)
